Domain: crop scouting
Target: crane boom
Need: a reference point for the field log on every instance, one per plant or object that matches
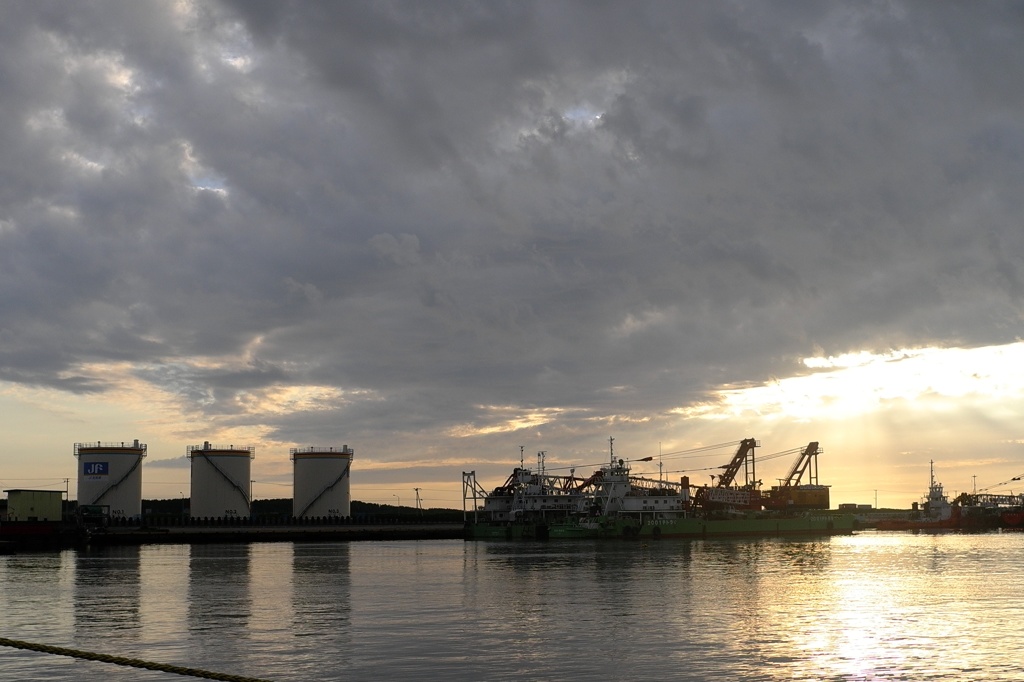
(791, 494)
(746, 448)
(808, 460)
(723, 493)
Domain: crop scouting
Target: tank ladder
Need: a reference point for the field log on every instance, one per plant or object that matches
(240, 489)
(329, 487)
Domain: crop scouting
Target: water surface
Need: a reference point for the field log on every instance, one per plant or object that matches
(871, 606)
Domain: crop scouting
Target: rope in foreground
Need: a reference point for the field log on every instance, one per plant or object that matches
(120, 660)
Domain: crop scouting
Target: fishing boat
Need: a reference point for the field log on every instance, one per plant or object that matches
(615, 503)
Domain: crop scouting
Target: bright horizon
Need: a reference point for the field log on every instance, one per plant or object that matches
(842, 402)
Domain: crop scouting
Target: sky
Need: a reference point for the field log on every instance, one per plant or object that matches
(452, 235)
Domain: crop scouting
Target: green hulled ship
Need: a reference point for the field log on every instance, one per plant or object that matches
(768, 525)
(613, 503)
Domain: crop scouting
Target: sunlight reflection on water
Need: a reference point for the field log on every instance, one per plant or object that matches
(870, 606)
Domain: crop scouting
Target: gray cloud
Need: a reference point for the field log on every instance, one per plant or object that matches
(607, 208)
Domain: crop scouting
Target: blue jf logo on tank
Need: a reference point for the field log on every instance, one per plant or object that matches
(95, 470)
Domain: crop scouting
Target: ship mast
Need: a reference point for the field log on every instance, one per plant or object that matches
(661, 464)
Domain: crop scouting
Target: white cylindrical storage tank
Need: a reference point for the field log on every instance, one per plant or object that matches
(110, 474)
(220, 480)
(322, 477)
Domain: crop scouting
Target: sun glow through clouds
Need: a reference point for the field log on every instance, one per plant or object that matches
(854, 384)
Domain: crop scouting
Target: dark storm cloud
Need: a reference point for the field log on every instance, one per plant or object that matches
(604, 207)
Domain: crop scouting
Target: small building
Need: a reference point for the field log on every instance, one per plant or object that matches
(35, 505)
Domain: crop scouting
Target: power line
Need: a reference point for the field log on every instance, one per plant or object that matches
(703, 451)
(676, 454)
(1018, 477)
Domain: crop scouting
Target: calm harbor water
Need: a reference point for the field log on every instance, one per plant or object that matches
(871, 606)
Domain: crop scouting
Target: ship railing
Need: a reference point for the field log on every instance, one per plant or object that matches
(989, 500)
(726, 496)
(555, 506)
(655, 484)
